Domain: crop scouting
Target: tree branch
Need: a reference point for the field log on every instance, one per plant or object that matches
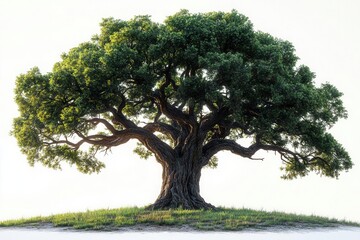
(244, 128)
(216, 145)
(107, 141)
(108, 125)
(210, 120)
(120, 118)
(164, 128)
(172, 112)
(163, 152)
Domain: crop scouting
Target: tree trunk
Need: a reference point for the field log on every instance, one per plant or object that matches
(180, 188)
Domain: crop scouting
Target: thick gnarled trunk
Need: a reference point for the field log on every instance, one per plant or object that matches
(180, 187)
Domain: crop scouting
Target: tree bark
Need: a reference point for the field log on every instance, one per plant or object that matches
(181, 187)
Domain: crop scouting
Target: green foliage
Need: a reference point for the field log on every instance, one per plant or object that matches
(142, 151)
(202, 64)
(213, 162)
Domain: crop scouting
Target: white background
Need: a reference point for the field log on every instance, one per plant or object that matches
(326, 35)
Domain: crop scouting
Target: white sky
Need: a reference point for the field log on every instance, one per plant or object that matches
(326, 35)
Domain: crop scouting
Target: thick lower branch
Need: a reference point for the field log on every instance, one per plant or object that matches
(216, 145)
(163, 152)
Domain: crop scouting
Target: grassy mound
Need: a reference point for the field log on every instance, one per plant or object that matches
(135, 218)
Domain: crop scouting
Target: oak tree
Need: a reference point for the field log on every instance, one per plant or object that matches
(186, 89)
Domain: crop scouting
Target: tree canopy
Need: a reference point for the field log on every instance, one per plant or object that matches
(185, 89)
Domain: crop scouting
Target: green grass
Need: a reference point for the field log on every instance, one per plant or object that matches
(221, 219)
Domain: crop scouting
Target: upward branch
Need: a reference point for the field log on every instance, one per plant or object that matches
(172, 112)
